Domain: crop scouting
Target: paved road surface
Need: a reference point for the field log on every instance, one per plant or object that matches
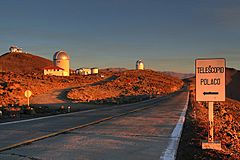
(149, 134)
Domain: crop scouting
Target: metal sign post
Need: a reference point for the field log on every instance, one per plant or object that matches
(28, 101)
(210, 87)
(211, 124)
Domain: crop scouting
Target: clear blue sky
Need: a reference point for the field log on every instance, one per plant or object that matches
(167, 34)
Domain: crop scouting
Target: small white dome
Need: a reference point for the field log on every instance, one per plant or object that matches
(139, 65)
(60, 55)
(139, 61)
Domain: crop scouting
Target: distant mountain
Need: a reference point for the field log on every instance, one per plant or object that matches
(233, 83)
(23, 63)
(179, 75)
(114, 69)
(109, 71)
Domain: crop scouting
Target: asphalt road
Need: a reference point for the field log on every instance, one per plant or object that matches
(150, 133)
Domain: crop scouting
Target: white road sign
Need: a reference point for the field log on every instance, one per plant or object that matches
(210, 79)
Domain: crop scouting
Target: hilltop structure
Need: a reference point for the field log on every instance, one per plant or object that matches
(61, 59)
(94, 70)
(87, 71)
(15, 49)
(60, 66)
(139, 65)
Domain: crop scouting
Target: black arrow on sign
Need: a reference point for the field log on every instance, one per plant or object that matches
(210, 93)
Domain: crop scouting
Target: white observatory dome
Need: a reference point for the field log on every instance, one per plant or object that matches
(61, 55)
(61, 59)
(139, 65)
(139, 61)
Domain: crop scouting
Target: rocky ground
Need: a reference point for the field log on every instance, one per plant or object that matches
(127, 86)
(226, 130)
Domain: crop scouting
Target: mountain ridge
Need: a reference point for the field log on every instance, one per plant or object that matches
(23, 63)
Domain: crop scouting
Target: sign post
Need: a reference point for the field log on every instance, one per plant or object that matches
(210, 87)
(28, 94)
(211, 122)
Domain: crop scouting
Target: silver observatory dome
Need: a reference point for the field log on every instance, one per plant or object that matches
(139, 61)
(61, 55)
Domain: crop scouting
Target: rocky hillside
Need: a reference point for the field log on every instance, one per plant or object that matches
(127, 86)
(110, 71)
(233, 83)
(180, 75)
(23, 63)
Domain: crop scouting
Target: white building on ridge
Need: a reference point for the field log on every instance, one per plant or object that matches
(86, 71)
(54, 70)
(15, 49)
(94, 70)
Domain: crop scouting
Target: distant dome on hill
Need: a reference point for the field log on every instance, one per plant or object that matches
(60, 55)
(15, 49)
(139, 65)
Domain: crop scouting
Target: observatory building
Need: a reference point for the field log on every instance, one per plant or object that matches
(61, 59)
(87, 71)
(14, 49)
(53, 70)
(94, 70)
(61, 65)
(139, 65)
